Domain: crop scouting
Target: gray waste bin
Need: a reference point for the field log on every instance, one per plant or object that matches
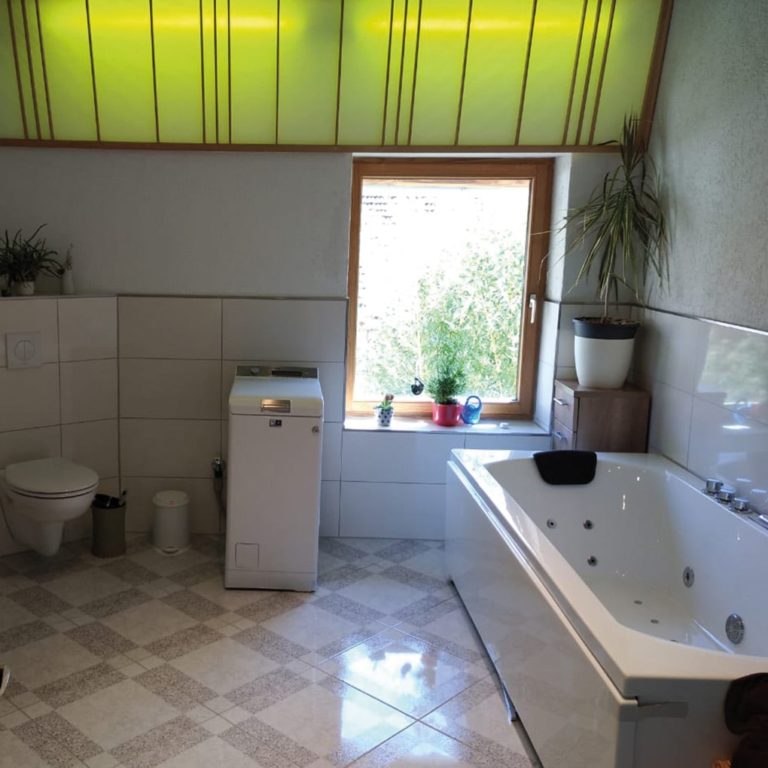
(108, 525)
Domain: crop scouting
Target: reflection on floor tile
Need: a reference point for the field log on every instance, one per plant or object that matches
(145, 661)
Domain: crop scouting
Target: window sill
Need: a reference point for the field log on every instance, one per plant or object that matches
(426, 426)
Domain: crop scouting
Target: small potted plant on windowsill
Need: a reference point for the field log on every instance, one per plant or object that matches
(385, 410)
(22, 259)
(623, 228)
(444, 386)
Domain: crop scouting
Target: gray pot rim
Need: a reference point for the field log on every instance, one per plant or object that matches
(594, 328)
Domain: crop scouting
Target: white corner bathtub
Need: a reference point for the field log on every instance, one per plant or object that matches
(578, 593)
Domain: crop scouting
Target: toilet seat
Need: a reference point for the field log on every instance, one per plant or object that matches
(50, 479)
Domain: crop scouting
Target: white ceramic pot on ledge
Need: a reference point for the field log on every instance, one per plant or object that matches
(25, 288)
(603, 351)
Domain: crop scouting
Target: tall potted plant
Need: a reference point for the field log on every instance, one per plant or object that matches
(623, 229)
(22, 259)
(444, 385)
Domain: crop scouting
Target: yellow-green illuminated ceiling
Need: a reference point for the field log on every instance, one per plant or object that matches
(327, 73)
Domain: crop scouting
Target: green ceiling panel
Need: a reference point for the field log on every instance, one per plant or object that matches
(349, 73)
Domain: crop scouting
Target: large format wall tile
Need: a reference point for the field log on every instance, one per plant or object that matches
(397, 457)
(158, 326)
(30, 314)
(93, 444)
(332, 435)
(170, 389)
(29, 397)
(670, 424)
(87, 328)
(281, 330)
(168, 447)
(88, 390)
(392, 510)
(27, 444)
(330, 492)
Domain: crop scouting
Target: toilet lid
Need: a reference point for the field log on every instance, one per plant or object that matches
(47, 476)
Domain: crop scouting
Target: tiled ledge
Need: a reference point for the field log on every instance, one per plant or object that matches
(425, 426)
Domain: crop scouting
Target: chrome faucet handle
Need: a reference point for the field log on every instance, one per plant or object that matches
(713, 485)
(726, 494)
(740, 505)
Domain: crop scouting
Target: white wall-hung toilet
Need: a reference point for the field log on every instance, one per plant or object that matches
(39, 496)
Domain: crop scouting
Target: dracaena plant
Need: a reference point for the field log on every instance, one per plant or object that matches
(22, 258)
(622, 226)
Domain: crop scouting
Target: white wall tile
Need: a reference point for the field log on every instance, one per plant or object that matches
(203, 507)
(397, 457)
(331, 469)
(170, 389)
(392, 510)
(670, 424)
(168, 448)
(330, 492)
(331, 377)
(29, 397)
(27, 444)
(727, 446)
(88, 390)
(284, 329)
(93, 444)
(187, 328)
(30, 314)
(509, 442)
(545, 382)
(87, 328)
(550, 316)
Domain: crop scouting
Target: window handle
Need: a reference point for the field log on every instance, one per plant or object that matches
(532, 307)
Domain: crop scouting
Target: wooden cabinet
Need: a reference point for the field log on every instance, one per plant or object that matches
(600, 419)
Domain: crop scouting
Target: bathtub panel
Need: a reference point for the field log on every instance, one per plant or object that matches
(568, 706)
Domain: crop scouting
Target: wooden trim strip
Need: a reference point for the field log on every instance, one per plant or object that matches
(575, 70)
(524, 86)
(45, 70)
(389, 63)
(30, 64)
(216, 67)
(93, 71)
(277, 76)
(654, 76)
(154, 68)
(14, 46)
(601, 76)
(588, 74)
(400, 83)
(448, 149)
(202, 68)
(463, 73)
(415, 72)
(229, 71)
(338, 72)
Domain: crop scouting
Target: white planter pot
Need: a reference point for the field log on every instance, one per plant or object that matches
(26, 288)
(603, 362)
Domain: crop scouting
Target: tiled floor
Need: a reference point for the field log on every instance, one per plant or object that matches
(146, 661)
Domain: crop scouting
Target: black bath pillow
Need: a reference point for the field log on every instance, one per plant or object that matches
(566, 467)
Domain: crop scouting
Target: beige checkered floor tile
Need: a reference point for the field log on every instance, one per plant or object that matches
(146, 661)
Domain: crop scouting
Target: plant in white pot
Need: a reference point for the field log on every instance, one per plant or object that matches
(22, 259)
(623, 229)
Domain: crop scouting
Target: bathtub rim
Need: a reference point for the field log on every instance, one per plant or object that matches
(640, 666)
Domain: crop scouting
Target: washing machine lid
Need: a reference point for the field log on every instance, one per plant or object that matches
(50, 476)
(276, 396)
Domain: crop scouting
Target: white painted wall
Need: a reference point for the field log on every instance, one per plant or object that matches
(192, 223)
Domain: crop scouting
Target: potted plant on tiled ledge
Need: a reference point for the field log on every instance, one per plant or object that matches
(22, 259)
(385, 410)
(445, 385)
(622, 226)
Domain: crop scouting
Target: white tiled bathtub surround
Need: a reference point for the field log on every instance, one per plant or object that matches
(709, 388)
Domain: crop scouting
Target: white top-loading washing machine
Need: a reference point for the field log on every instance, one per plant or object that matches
(273, 479)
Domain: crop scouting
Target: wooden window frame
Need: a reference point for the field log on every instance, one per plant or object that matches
(539, 172)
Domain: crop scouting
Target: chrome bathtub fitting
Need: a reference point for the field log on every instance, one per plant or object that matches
(740, 505)
(726, 494)
(551, 523)
(713, 486)
(688, 576)
(734, 628)
(592, 560)
(589, 525)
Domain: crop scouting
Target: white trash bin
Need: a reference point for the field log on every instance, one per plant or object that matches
(170, 528)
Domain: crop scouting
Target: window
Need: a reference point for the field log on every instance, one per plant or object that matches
(446, 256)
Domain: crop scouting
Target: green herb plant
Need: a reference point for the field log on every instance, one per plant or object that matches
(22, 259)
